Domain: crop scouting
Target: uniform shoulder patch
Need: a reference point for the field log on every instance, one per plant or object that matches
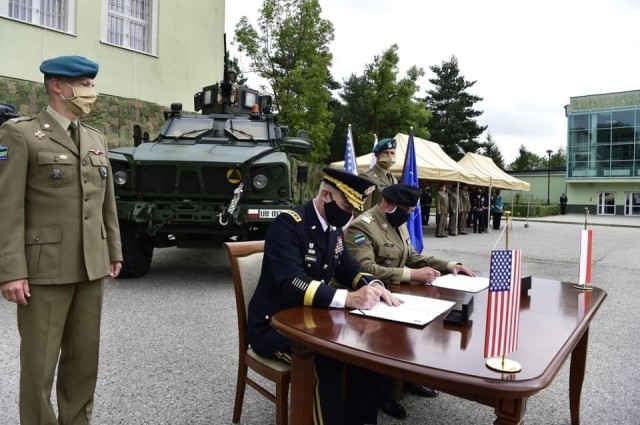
(21, 119)
(296, 217)
(359, 238)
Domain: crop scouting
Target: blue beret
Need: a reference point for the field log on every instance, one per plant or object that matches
(384, 144)
(69, 67)
(355, 188)
(402, 194)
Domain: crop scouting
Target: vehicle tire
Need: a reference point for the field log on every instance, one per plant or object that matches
(137, 251)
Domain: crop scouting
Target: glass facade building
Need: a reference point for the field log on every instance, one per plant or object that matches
(603, 151)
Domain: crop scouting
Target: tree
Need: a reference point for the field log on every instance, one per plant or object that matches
(453, 123)
(291, 51)
(491, 150)
(559, 158)
(527, 161)
(376, 102)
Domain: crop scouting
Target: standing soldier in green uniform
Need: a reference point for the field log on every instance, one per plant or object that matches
(379, 174)
(379, 240)
(454, 209)
(442, 207)
(465, 205)
(59, 238)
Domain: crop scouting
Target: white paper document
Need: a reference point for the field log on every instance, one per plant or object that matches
(462, 282)
(415, 310)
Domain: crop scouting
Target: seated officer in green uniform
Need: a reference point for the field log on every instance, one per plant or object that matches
(380, 174)
(59, 238)
(379, 240)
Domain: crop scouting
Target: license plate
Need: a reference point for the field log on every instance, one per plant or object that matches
(263, 213)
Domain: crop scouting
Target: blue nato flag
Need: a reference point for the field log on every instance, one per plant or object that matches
(410, 177)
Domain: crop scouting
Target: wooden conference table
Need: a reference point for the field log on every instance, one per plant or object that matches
(554, 324)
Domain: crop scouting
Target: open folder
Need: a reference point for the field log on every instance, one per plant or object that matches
(415, 310)
(461, 282)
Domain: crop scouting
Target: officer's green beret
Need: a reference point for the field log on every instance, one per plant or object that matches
(69, 67)
(402, 194)
(384, 144)
(355, 188)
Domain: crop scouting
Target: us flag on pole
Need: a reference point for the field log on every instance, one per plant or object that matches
(350, 155)
(586, 248)
(503, 307)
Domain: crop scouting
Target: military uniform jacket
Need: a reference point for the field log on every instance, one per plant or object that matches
(465, 202)
(383, 251)
(381, 178)
(299, 261)
(59, 222)
(454, 207)
(442, 202)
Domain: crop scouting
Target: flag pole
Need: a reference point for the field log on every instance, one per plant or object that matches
(582, 286)
(503, 364)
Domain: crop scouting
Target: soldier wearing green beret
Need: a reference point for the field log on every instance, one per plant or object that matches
(59, 238)
(380, 174)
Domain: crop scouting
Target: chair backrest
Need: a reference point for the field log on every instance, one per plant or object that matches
(246, 264)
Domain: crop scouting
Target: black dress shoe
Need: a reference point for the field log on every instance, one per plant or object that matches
(393, 408)
(420, 390)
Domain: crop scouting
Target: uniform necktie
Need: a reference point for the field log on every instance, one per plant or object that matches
(73, 133)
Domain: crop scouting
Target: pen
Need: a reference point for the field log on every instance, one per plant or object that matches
(361, 312)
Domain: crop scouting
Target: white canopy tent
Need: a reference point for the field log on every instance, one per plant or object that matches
(433, 163)
(485, 166)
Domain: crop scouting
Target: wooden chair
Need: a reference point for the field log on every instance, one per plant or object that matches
(246, 263)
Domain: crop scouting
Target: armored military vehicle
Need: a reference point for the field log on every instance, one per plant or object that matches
(206, 178)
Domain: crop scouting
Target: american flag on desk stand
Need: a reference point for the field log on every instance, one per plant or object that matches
(350, 155)
(503, 306)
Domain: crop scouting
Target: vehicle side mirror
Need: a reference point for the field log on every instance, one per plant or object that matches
(296, 145)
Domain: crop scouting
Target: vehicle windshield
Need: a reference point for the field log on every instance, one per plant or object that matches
(247, 130)
(188, 128)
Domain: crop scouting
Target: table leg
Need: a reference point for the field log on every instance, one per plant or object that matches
(576, 376)
(302, 383)
(510, 411)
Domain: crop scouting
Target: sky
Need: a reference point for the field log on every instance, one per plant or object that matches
(527, 57)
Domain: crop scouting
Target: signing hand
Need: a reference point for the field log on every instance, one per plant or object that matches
(424, 274)
(459, 268)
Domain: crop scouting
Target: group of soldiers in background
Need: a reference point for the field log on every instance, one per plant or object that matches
(454, 215)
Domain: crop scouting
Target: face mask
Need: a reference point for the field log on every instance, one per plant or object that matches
(81, 101)
(398, 217)
(386, 161)
(336, 216)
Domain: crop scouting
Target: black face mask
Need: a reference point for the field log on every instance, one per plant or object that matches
(398, 217)
(336, 216)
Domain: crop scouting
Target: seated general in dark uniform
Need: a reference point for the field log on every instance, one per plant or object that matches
(304, 250)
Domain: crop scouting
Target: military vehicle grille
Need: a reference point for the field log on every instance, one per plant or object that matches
(169, 179)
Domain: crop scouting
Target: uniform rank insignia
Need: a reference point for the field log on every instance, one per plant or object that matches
(96, 151)
(310, 258)
(39, 134)
(293, 214)
(56, 174)
(4, 153)
(339, 245)
(367, 219)
(359, 238)
(103, 172)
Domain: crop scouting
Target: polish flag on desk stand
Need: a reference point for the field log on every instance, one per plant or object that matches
(586, 250)
(503, 310)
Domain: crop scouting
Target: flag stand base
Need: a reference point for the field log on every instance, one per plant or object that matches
(583, 287)
(503, 365)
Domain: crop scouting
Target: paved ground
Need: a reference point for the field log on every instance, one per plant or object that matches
(169, 340)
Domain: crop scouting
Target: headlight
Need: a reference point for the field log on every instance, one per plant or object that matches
(260, 181)
(120, 177)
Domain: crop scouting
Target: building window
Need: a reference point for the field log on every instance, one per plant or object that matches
(46, 13)
(131, 24)
(632, 203)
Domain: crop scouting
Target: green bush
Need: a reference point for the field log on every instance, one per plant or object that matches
(535, 210)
